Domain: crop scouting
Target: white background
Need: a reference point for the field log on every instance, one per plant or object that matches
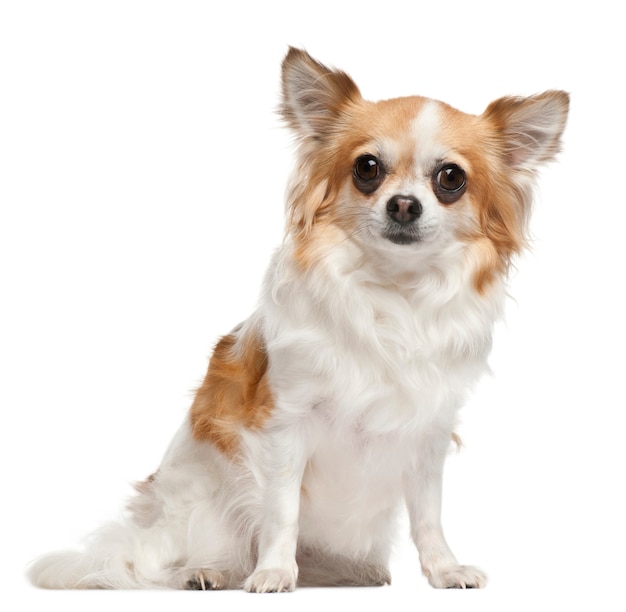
(142, 169)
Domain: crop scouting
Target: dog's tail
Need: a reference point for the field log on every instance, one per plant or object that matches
(171, 528)
(78, 570)
(108, 561)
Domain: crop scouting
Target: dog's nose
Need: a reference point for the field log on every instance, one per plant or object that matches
(404, 209)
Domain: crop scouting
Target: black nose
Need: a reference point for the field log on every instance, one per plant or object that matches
(404, 209)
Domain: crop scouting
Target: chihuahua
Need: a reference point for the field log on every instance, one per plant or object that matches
(334, 405)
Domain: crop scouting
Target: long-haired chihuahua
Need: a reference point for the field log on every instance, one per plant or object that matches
(335, 403)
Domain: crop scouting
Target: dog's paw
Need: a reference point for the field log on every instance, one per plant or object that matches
(271, 581)
(457, 577)
(205, 580)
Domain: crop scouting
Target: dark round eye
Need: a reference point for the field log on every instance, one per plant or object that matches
(367, 173)
(449, 183)
(366, 168)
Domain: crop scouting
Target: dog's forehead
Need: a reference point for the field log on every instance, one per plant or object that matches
(414, 130)
(426, 129)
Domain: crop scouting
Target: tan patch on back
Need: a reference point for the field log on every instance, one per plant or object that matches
(235, 393)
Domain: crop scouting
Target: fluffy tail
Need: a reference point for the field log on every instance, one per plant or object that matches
(109, 561)
(172, 528)
(77, 570)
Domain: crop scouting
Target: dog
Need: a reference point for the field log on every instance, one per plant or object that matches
(335, 403)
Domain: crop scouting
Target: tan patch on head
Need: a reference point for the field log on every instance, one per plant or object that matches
(235, 393)
(501, 210)
(325, 169)
(498, 207)
(502, 214)
(498, 150)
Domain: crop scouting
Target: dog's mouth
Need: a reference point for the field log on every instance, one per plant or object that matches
(402, 237)
(408, 234)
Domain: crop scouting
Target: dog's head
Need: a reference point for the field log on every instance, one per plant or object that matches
(414, 176)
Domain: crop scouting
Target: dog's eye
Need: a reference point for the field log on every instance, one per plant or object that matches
(449, 183)
(366, 168)
(367, 173)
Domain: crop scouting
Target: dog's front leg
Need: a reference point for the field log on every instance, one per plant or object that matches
(423, 489)
(281, 469)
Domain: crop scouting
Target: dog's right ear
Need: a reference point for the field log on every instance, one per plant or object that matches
(314, 96)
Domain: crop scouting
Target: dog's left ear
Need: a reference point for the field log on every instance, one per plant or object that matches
(314, 96)
(530, 128)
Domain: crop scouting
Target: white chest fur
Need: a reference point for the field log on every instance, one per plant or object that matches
(378, 354)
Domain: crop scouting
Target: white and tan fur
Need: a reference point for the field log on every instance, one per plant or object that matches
(335, 403)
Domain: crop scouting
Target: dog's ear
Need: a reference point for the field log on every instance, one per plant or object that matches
(314, 96)
(529, 129)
